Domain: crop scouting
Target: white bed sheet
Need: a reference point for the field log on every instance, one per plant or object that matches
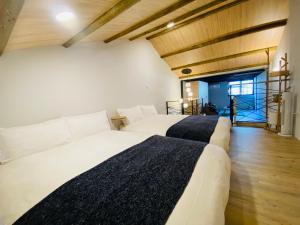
(26, 181)
(159, 124)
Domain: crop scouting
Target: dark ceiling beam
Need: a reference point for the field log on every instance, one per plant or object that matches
(241, 54)
(150, 19)
(251, 66)
(231, 35)
(243, 74)
(197, 18)
(236, 76)
(179, 18)
(9, 12)
(112, 13)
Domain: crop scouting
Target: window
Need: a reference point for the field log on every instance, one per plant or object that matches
(247, 87)
(235, 88)
(244, 87)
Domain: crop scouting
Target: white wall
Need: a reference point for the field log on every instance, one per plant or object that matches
(290, 44)
(44, 83)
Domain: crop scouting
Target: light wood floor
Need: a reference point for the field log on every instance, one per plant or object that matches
(265, 179)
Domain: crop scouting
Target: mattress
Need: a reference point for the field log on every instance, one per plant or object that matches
(26, 181)
(159, 124)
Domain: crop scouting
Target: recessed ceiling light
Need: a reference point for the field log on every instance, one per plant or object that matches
(65, 16)
(170, 25)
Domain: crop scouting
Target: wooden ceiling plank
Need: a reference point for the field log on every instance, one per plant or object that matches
(179, 18)
(197, 18)
(9, 12)
(150, 19)
(112, 13)
(241, 54)
(226, 70)
(231, 35)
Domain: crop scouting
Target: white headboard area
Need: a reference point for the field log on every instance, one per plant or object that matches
(44, 83)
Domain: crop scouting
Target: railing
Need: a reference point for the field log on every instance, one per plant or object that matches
(174, 107)
(263, 106)
(187, 107)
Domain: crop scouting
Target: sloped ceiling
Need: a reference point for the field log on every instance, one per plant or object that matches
(37, 26)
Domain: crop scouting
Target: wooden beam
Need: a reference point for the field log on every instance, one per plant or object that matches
(224, 58)
(279, 73)
(9, 12)
(231, 35)
(150, 19)
(179, 18)
(194, 19)
(112, 13)
(225, 70)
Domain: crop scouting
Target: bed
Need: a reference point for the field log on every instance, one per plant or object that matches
(27, 180)
(149, 121)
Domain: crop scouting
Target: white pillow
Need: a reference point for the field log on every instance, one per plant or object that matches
(148, 110)
(88, 124)
(16, 142)
(132, 114)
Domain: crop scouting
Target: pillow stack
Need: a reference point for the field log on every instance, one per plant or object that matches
(17, 142)
(137, 113)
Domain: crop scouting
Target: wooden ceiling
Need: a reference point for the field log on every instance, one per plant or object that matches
(209, 35)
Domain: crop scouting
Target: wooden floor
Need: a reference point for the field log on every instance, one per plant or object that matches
(265, 179)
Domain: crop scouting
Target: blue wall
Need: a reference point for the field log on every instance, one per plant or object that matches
(203, 91)
(218, 95)
(245, 102)
(260, 91)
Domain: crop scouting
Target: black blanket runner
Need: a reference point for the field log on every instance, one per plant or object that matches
(139, 186)
(197, 128)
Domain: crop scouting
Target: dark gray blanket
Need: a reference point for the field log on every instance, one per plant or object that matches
(197, 128)
(139, 186)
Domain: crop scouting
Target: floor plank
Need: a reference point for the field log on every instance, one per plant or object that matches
(265, 179)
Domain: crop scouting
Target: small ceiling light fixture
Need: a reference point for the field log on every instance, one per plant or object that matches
(65, 16)
(170, 25)
(186, 71)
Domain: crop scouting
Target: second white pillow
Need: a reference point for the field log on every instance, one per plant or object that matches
(87, 124)
(148, 110)
(132, 114)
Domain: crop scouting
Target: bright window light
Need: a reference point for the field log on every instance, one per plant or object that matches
(187, 84)
(244, 87)
(65, 16)
(235, 87)
(188, 90)
(247, 87)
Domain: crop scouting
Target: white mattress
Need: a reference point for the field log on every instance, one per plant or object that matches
(159, 124)
(26, 181)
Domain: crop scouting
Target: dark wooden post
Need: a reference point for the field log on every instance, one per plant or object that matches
(167, 106)
(267, 84)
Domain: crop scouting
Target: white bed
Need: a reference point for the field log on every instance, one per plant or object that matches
(159, 124)
(27, 180)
